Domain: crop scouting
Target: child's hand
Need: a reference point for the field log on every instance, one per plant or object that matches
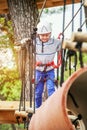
(23, 41)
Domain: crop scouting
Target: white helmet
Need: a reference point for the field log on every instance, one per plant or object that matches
(43, 27)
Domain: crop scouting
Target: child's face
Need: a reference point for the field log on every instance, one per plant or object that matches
(45, 37)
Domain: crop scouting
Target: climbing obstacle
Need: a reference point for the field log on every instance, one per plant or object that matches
(9, 112)
(52, 113)
(79, 37)
(72, 45)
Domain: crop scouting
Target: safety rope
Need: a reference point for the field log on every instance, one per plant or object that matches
(23, 62)
(43, 6)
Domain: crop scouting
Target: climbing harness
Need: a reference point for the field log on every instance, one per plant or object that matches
(45, 67)
(48, 64)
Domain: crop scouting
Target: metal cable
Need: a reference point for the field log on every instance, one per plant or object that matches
(72, 31)
(79, 44)
(44, 3)
(63, 51)
(72, 19)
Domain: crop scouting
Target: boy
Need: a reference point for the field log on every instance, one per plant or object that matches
(46, 48)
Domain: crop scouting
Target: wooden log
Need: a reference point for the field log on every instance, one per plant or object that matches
(79, 37)
(9, 112)
(69, 44)
(21, 114)
(72, 45)
(85, 3)
(30, 110)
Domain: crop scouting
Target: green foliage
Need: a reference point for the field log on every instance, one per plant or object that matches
(46, 10)
(2, 21)
(9, 127)
(6, 39)
(5, 127)
(10, 84)
(52, 10)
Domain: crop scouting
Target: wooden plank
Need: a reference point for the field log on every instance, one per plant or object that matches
(7, 116)
(53, 3)
(49, 3)
(3, 4)
(9, 109)
(12, 105)
(3, 11)
(3, 7)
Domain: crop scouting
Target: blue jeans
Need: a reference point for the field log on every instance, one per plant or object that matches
(39, 79)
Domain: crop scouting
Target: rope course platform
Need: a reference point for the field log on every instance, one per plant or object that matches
(49, 3)
(9, 111)
(71, 94)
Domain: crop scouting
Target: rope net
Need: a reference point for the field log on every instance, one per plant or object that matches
(24, 14)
